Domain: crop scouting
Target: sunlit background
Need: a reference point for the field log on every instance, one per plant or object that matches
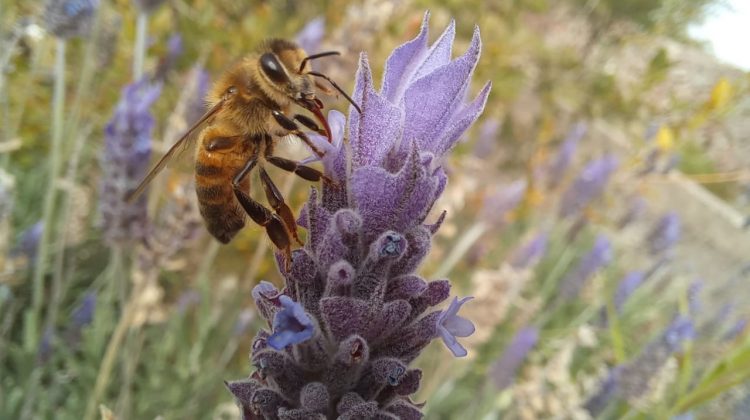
(599, 210)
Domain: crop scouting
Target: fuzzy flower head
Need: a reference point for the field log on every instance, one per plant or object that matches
(127, 149)
(566, 152)
(353, 313)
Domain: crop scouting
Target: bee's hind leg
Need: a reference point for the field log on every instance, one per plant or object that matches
(275, 227)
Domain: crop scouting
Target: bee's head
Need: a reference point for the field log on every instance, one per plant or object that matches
(283, 68)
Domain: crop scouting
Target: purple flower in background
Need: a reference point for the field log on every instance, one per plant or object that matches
(531, 252)
(605, 394)
(631, 380)
(29, 241)
(636, 208)
(199, 83)
(310, 36)
(504, 370)
(69, 18)
(83, 314)
(693, 295)
(599, 256)
(127, 149)
(628, 284)
(355, 279)
(558, 166)
(496, 206)
(291, 325)
(450, 326)
(665, 234)
(684, 416)
(148, 6)
(736, 330)
(488, 138)
(587, 186)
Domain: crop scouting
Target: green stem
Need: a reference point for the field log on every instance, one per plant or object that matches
(139, 50)
(58, 104)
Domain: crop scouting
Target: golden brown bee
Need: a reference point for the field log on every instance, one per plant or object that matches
(248, 114)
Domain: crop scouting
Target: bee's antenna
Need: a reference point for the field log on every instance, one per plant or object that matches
(316, 74)
(314, 56)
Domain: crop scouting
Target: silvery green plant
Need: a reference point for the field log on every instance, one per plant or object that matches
(353, 314)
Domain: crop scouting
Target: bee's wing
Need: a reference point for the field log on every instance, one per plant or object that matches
(185, 141)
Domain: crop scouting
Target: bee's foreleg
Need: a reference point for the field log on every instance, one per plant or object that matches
(277, 203)
(274, 225)
(293, 128)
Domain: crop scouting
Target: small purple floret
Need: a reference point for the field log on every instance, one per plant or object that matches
(291, 325)
(451, 325)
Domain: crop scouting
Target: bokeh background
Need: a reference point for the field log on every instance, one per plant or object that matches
(598, 211)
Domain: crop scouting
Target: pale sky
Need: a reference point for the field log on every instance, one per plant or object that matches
(727, 30)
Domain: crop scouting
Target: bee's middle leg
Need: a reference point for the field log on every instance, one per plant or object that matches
(275, 227)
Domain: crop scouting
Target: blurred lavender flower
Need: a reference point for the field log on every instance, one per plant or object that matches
(636, 208)
(488, 138)
(496, 206)
(631, 380)
(665, 234)
(243, 322)
(310, 36)
(736, 330)
(147, 6)
(127, 148)
(530, 253)
(29, 242)
(83, 314)
(558, 166)
(69, 18)
(588, 186)
(693, 296)
(352, 290)
(684, 416)
(187, 300)
(599, 256)
(169, 60)
(504, 370)
(628, 284)
(196, 104)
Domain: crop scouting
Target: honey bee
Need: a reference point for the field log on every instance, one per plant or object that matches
(249, 111)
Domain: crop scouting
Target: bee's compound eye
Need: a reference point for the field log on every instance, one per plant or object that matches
(272, 68)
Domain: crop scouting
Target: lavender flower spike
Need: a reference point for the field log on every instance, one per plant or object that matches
(665, 234)
(565, 153)
(450, 326)
(127, 148)
(599, 256)
(355, 311)
(503, 371)
(589, 185)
